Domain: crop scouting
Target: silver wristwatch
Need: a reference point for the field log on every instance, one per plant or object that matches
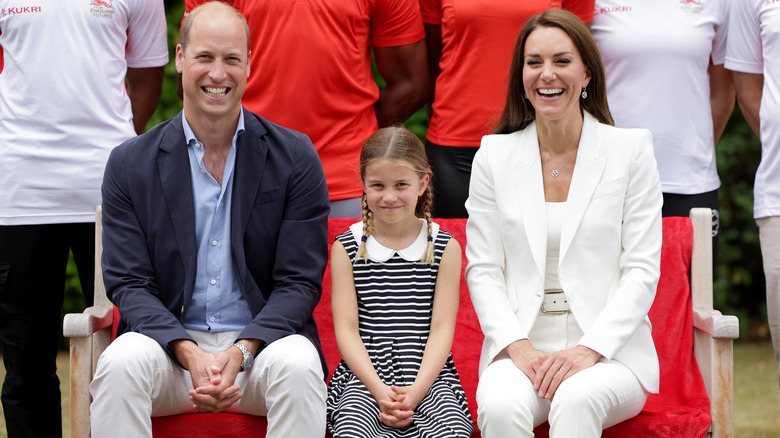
(248, 358)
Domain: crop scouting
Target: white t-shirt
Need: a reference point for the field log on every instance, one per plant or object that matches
(754, 47)
(63, 103)
(656, 54)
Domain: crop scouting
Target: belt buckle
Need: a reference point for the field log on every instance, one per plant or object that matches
(555, 301)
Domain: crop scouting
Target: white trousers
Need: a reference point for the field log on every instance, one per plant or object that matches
(584, 404)
(136, 380)
(769, 235)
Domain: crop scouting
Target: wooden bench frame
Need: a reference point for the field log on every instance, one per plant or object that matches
(90, 334)
(714, 333)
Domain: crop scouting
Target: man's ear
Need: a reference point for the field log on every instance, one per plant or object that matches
(248, 62)
(179, 60)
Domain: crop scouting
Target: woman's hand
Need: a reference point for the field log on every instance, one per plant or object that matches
(561, 365)
(528, 359)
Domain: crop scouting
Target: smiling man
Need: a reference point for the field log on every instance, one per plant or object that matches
(215, 242)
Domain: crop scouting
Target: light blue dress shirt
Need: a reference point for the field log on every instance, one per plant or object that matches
(218, 301)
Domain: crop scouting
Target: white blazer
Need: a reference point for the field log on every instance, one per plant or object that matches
(610, 252)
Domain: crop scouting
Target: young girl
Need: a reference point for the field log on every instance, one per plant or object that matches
(395, 293)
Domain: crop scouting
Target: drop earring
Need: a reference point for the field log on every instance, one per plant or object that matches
(584, 93)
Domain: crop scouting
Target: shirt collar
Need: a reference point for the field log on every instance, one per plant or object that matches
(189, 136)
(378, 253)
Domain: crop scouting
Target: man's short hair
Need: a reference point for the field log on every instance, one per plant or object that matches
(184, 36)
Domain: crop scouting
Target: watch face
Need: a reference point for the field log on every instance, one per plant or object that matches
(248, 359)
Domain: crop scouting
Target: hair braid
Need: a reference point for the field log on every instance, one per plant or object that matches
(425, 209)
(368, 225)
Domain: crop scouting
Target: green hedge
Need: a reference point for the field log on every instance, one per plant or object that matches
(739, 285)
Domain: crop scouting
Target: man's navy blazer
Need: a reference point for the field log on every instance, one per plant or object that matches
(279, 231)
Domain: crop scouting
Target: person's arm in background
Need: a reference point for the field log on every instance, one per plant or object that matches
(721, 98)
(405, 70)
(144, 87)
(146, 54)
(749, 88)
(434, 45)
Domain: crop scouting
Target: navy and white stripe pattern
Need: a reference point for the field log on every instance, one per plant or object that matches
(395, 303)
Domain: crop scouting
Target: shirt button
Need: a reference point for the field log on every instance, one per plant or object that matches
(212, 319)
(213, 281)
(214, 242)
(197, 144)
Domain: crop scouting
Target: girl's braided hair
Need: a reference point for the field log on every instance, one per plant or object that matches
(400, 145)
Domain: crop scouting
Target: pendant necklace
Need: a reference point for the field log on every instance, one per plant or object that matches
(554, 172)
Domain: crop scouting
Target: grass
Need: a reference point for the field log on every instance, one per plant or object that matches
(756, 392)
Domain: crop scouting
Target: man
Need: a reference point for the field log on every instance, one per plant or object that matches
(753, 55)
(311, 69)
(215, 242)
(76, 79)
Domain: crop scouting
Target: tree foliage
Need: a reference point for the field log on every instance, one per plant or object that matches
(739, 284)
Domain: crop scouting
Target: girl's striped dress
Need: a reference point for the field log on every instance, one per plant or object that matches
(395, 302)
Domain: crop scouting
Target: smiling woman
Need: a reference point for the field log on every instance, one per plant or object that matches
(564, 304)
(554, 77)
(518, 111)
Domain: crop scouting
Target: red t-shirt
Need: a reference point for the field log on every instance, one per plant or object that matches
(478, 38)
(311, 71)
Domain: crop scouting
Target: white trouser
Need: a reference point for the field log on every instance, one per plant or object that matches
(584, 404)
(769, 234)
(136, 380)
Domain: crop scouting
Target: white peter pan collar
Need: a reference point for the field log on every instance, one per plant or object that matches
(379, 253)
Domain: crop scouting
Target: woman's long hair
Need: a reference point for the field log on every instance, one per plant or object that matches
(518, 111)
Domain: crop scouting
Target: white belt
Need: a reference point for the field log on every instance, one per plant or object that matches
(554, 301)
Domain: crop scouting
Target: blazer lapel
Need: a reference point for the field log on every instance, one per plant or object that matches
(526, 172)
(587, 173)
(251, 151)
(176, 181)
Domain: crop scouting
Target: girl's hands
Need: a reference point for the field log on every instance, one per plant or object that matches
(397, 404)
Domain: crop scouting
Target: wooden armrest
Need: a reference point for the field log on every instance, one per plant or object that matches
(716, 324)
(90, 321)
(90, 333)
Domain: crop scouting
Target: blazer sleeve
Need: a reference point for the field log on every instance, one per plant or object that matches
(640, 258)
(301, 251)
(486, 258)
(128, 270)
